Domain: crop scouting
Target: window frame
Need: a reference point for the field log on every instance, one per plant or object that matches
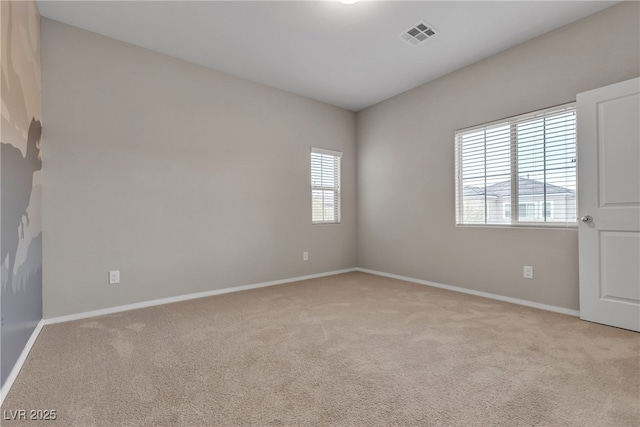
(514, 221)
(335, 188)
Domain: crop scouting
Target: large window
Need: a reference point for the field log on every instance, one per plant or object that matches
(518, 171)
(325, 186)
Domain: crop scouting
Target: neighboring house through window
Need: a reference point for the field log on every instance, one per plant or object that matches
(325, 186)
(518, 171)
(530, 210)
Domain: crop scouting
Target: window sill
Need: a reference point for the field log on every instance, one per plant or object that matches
(521, 226)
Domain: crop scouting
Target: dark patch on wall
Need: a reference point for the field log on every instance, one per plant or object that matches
(17, 183)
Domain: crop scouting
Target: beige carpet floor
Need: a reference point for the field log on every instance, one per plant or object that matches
(347, 350)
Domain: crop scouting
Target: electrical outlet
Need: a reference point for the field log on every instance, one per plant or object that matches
(114, 277)
(527, 272)
(305, 256)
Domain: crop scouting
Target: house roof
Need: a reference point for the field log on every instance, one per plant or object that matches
(526, 187)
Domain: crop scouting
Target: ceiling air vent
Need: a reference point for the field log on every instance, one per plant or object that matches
(418, 33)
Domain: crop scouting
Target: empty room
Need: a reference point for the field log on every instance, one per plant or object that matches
(327, 213)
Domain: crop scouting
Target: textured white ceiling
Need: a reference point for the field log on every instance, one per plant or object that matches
(345, 55)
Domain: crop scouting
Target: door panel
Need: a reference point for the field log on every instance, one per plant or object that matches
(619, 255)
(619, 155)
(609, 194)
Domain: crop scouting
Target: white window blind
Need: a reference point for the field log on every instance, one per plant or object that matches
(518, 171)
(325, 186)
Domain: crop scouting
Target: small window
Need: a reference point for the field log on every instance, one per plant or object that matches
(518, 171)
(325, 186)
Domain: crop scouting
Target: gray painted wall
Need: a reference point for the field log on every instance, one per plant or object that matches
(406, 218)
(183, 178)
(187, 179)
(21, 182)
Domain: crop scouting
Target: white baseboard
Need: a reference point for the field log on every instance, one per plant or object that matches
(169, 300)
(25, 352)
(151, 303)
(538, 305)
(18, 366)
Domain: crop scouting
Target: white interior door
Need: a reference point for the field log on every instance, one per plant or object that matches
(609, 204)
